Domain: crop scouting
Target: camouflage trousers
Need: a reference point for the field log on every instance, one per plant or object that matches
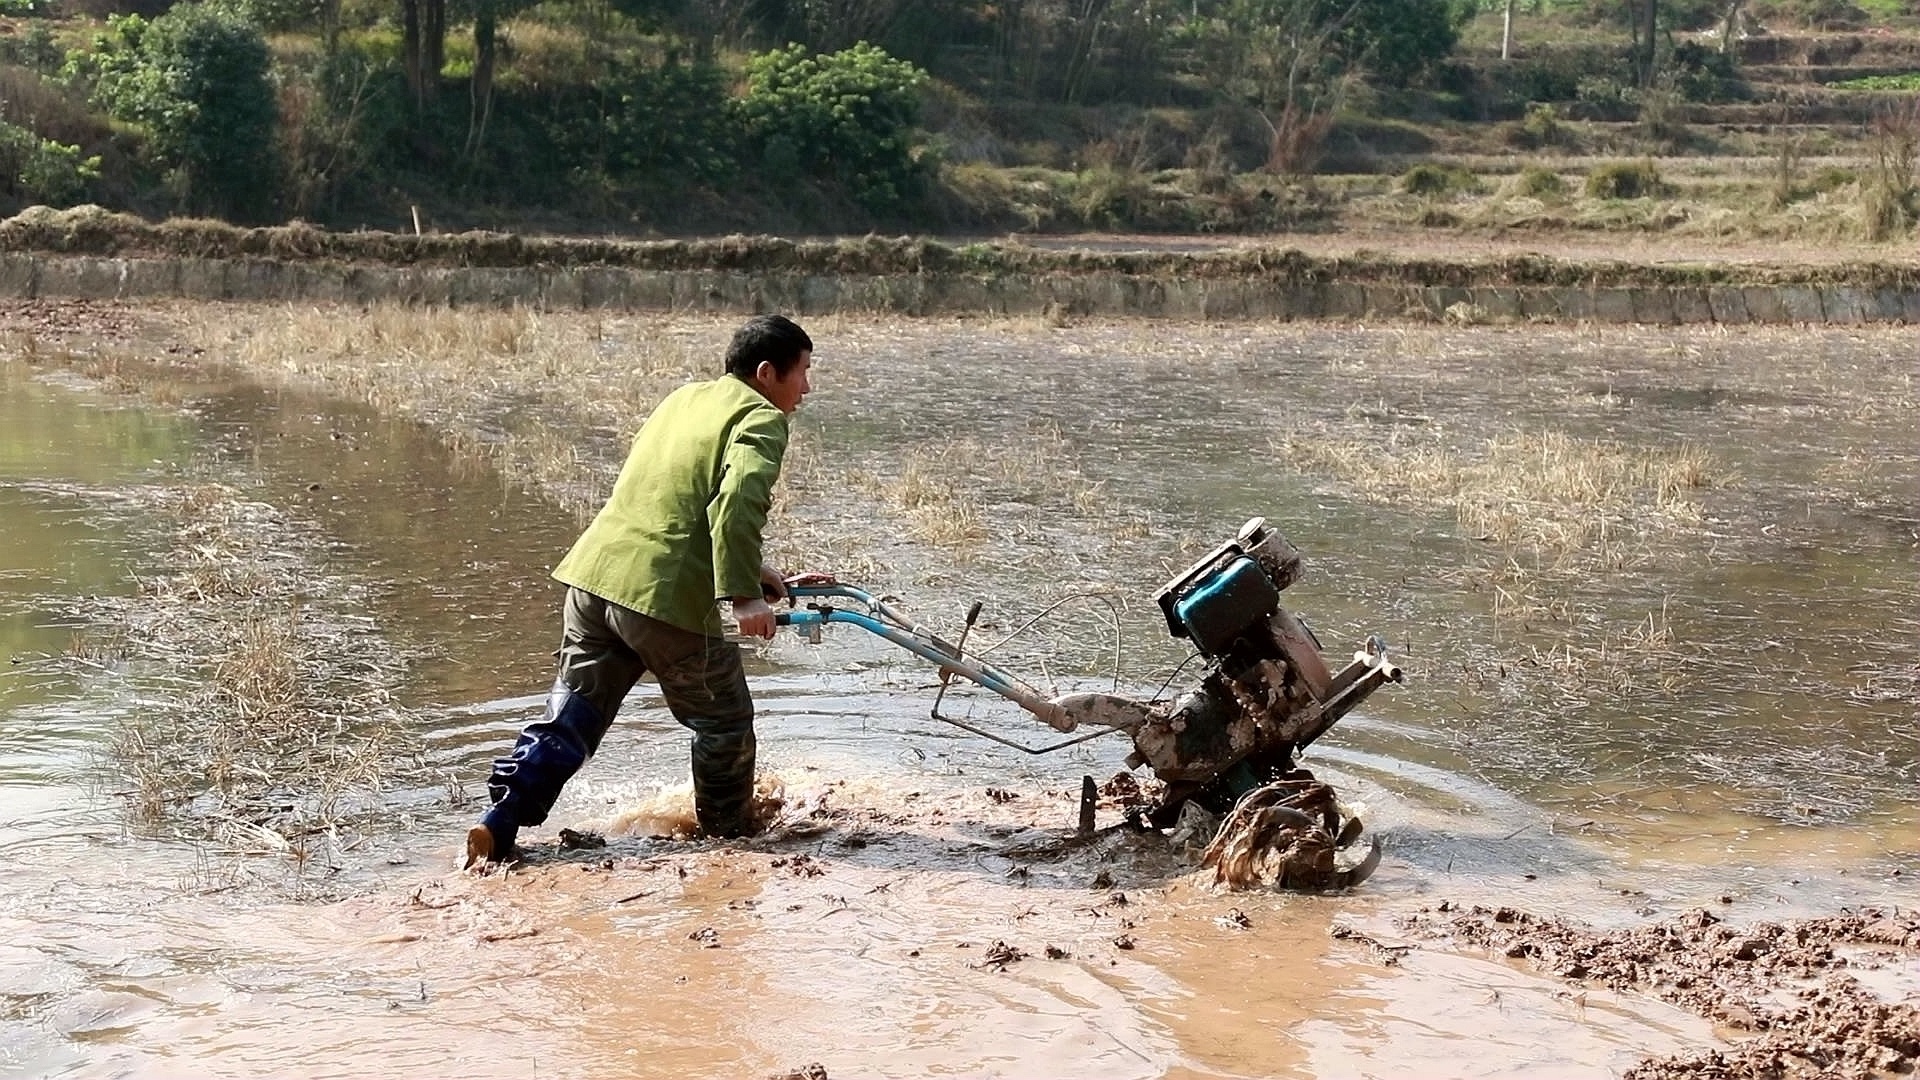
(604, 649)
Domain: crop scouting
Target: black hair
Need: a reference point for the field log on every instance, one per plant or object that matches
(767, 339)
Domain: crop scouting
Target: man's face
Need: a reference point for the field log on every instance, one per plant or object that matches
(785, 391)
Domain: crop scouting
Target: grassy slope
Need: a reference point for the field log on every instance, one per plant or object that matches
(1789, 166)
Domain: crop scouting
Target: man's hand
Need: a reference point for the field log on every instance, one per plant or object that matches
(755, 617)
(773, 585)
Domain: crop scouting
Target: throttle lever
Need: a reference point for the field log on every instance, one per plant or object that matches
(946, 673)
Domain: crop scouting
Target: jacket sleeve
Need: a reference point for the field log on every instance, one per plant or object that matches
(737, 516)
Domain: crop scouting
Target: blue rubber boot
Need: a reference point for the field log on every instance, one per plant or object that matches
(526, 782)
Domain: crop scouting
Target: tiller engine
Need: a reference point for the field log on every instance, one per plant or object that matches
(1228, 744)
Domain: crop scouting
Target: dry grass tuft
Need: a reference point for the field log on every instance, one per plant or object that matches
(1550, 493)
(1616, 660)
(943, 488)
(273, 718)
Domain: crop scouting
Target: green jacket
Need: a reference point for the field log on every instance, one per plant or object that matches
(683, 526)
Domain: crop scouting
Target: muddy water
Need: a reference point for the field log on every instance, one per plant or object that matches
(1773, 768)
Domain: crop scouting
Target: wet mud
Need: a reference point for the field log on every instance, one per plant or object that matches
(1798, 995)
(1595, 741)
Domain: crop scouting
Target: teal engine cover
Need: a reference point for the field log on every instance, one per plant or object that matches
(1218, 608)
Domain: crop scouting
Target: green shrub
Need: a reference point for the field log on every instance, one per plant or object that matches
(1397, 40)
(1703, 74)
(41, 170)
(278, 15)
(1606, 97)
(339, 115)
(1107, 197)
(1555, 72)
(34, 49)
(1427, 178)
(665, 124)
(1625, 180)
(845, 118)
(1831, 178)
(1538, 183)
(1542, 124)
(197, 79)
(1908, 81)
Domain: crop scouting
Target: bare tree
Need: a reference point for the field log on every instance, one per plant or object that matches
(1653, 26)
(832, 25)
(486, 15)
(1085, 21)
(423, 46)
(1646, 19)
(410, 46)
(433, 44)
(1279, 57)
(1730, 26)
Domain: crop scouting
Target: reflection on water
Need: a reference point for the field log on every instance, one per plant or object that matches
(56, 544)
(1775, 765)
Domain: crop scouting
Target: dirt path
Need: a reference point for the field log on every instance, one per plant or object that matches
(1648, 248)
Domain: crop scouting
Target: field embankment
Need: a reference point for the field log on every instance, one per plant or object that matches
(94, 255)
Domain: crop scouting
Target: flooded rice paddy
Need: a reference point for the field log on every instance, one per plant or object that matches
(1654, 589)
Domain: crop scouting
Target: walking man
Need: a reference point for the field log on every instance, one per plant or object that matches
(681, 532)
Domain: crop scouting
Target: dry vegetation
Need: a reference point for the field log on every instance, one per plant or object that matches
(276, 726)
(512, 386)
(1545, 498)
(945, 486)
(1540, 514)
(89, 230)
(552, 401)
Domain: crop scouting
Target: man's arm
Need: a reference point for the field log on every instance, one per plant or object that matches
(737, 516)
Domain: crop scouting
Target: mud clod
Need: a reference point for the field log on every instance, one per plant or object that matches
(802, 865)
(1000, 954)
(1235, 919)
(1124, 792)
(581, 839)
(1789, 983)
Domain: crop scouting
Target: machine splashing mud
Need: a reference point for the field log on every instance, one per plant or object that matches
(1229, 745)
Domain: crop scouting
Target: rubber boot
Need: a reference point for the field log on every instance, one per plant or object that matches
(723, 782)
(526, 782)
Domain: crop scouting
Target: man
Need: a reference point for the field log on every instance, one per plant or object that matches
(681, 532)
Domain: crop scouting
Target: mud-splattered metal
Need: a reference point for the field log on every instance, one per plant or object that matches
(1266, 693)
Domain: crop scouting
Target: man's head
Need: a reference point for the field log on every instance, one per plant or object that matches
(772, 354)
